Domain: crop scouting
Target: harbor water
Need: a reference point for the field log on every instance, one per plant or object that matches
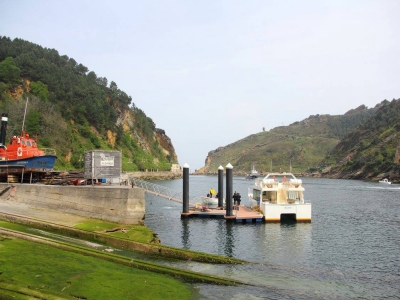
(350, 250)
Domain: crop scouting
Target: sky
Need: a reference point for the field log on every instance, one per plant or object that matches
(213, 72)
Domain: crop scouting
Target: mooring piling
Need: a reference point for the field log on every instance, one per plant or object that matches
(220, 186)
(228, 199)
(185, 200)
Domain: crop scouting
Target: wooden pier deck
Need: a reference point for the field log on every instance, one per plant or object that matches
(241, 215)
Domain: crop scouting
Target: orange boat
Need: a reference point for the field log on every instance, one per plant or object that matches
(23, 151)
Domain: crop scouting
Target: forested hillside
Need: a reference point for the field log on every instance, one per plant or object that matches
(372, 150)
(73, 110)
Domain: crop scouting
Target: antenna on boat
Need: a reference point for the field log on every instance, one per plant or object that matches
(23, 122)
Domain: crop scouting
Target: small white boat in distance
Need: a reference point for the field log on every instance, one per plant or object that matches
(385, 180)
(253, 174)
(280, 196)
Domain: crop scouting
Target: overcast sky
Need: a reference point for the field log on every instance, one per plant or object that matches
(213, 72)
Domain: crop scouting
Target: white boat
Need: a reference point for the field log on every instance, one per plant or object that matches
(253, 174)
(280, 196)
(385, 180)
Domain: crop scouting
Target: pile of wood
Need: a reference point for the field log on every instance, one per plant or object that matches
(64, 178)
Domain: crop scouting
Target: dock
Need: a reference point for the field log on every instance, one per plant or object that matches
(241, 214)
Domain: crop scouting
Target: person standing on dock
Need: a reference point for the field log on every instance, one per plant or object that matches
(238, 198)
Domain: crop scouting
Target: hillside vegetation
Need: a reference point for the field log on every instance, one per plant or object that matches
(372, 150)
(320, 145)
(73, 110)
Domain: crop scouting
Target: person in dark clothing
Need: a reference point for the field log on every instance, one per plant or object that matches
(234, 198)
(238, 198)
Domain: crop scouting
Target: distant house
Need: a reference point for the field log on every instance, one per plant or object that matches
(176, 168)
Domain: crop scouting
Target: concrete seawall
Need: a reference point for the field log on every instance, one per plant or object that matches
(123, 205)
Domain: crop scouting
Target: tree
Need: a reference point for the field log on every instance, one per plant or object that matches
(40, 89)
(9, 72)
(33, 118)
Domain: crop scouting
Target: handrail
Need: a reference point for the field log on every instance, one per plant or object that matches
(160, 190)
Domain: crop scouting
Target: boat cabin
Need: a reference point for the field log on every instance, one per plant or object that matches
(20, 147)
(280, 196)
(278, 188)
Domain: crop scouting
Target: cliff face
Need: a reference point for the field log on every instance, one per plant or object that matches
(166, 144)
(126, 119)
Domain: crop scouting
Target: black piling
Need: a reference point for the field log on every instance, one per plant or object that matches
(185, 200)
(3, 130)
(228, 199)
(220, 186)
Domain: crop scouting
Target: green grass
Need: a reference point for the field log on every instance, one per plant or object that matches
(137, 233)
(28, 268)
(123, 241)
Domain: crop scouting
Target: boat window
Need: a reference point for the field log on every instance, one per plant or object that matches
(256, 195)
(33, 144)
(28, 143)
(271, 196)
(23, 142)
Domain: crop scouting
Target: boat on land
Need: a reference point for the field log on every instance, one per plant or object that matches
(253, 173)
(280, 197)
(385, 180)
(22, 151)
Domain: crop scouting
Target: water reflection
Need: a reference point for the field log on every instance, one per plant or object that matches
(230, 241)
(185, 233)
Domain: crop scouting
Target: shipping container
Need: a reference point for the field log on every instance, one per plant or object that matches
(103, 166)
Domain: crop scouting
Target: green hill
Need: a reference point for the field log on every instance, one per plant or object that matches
(73, 110)
(320, 145)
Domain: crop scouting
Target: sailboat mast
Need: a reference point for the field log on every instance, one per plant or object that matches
(23, 122)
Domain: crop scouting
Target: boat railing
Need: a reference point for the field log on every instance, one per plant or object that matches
(37, 151)
(49, 151)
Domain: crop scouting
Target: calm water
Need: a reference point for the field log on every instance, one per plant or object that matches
(351, 250)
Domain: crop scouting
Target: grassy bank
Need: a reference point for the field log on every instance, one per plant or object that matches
(34, 270)
(35, 267)
(137, 238)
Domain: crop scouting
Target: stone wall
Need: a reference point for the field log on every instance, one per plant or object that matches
(123, 205)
